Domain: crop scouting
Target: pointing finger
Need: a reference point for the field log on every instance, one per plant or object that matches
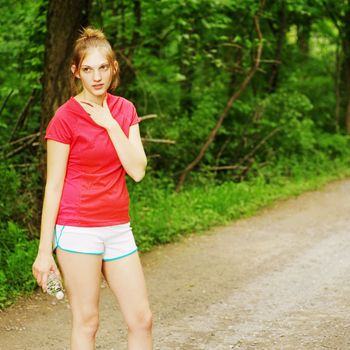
(91, 104)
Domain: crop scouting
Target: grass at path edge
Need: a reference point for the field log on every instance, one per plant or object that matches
(168, 215)
(159, 215)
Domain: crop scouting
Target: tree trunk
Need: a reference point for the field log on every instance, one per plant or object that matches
(337, 79)
(304, 33)
(64, 19)
(128, 74)
(273, 81)
(346, 66)
(347, 116)
(342, 23)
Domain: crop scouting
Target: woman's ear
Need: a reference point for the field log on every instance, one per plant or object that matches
(116, 66)
(73, 68)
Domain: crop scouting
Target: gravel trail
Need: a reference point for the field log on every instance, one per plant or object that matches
(278, 280)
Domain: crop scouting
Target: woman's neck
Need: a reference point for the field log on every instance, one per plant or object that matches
(92, 98)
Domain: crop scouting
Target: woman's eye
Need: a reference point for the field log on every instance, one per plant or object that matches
(105, 67)
(86, 70)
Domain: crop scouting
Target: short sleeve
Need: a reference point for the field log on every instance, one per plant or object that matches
(59, 129)
(134, 117)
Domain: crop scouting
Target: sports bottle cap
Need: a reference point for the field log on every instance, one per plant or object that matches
(59, 295)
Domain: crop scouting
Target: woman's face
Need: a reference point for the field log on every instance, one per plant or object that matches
(95, 73)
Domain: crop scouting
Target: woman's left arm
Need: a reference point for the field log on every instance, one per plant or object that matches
(130, 149)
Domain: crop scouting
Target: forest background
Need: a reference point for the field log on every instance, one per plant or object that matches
(242, 103)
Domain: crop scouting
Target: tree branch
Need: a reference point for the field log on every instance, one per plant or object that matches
(157, 140)
(5, 101)
(334, 18)
(35, 135)
(148, 116)
(23, 115)
(18, 149)
(256, 148)
(227, 167)
(229, 104)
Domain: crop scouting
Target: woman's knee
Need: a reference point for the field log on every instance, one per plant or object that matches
(87, 321)
(141, 321)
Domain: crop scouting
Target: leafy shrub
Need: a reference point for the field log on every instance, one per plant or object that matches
(3, 289)
(9, 188)
(333, 145)
(19, 266)
(289, 111)
(16, 258)
(11, 234)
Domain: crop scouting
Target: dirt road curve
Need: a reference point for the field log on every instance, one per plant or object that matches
(279, 280)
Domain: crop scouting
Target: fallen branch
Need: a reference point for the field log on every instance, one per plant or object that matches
(24, 165)
(221, 151)
(229, 104)
(6, 100)
(18, 149)
(228, 167)
(256, 148)
(156, 155)
(247, 158)
(37, 134)
(23, 115)
(148, 116)
(248, 167)
(145, 139)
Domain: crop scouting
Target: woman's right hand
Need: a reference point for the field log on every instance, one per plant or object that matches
(43, 265)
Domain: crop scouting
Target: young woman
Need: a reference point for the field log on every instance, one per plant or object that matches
(92, 141)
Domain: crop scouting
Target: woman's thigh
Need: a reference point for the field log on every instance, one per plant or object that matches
(82, 278)
(126, 279)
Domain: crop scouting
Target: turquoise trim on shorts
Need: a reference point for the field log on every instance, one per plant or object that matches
(68, 250)
(74, 251)
(123, 256)
(58, 239)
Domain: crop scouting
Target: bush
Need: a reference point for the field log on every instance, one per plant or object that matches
(9, 188)
(11, 234)
(289, 111)
(19, 267)
(17, 255)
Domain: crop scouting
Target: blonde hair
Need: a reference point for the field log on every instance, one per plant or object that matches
(92, 38)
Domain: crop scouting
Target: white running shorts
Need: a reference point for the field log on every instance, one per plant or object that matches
(111, 242)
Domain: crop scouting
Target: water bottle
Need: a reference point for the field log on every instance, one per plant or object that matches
(54, 286)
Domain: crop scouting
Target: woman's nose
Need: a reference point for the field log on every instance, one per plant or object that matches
(97, 75)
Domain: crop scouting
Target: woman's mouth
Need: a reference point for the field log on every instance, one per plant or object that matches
(98, 86)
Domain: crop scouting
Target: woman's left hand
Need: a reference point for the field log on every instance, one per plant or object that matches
(101, 115)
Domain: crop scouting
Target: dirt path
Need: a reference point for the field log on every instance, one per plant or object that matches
(279, 280)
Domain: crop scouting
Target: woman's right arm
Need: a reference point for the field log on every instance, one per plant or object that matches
(57, 158)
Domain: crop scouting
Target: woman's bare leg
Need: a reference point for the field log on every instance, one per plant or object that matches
(82, 278)
(125, 278)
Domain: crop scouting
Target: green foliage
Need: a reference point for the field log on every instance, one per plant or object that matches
(22, 48)
(160, 215)
(19, 273)
(333, 146)
(17, 188)
(10, 184)
(11, 235)
(17, 255)
(183, 60)
(3, 290)
(288, 111)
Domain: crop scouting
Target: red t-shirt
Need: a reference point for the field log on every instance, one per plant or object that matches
(94, 192)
